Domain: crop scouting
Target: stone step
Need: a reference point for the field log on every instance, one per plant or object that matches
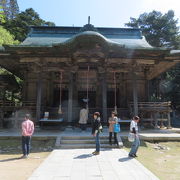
(82, 137)
(82, 141)
(69, 142)
(85, 146)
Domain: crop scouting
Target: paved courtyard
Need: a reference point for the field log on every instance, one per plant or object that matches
(79, 164)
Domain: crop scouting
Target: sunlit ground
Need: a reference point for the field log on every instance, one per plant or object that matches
(162, 158)
(12, 167)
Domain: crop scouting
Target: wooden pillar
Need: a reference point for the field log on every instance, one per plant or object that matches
(169, 121)
(51, 89)
(135, 94)
(147, 86)
(75, 90)
(70, 97)
(98, 92)
(104, 96)
(24, 88)
(75, 109)
(39, 96)
(2, 108)
(154, 114)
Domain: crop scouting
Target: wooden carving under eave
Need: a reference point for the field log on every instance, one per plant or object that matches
(160, 68)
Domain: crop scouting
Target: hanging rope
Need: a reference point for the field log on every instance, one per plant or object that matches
(60, 94)
(115, 98)
(87, 95)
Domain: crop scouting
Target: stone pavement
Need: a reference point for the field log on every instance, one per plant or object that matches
(80, 164)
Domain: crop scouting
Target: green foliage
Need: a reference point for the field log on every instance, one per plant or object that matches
(19, 26)
(2, 15)
(160, 30)
(13, 9)
(6, 37)
(16, 98)
(10, 8)
(174, 94)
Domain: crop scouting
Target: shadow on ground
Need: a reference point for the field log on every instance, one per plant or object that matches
(128, 144)
(83, 156)
(10, 159)
(124, 159)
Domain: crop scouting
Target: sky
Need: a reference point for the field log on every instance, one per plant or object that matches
(103, 13)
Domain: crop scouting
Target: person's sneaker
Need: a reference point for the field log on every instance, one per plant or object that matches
(96, 153)
(131, 155)
(24, 156)
(135, 155)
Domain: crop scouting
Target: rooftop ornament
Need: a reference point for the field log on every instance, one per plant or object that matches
(88, 27)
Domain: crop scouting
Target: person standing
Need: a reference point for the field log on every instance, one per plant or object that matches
(113, 120)
(27, 132)
(83, 118)
(95, 131)
(136, 142)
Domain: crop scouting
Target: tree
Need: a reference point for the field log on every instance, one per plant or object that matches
(160, 30)
(19, 26)
(10, 8)
(14, 8)
(4, 7)
(2, 15)
(6, 37)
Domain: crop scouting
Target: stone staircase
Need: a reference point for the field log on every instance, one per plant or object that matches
(77, 142)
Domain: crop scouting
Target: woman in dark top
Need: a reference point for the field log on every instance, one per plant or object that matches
(95, 131)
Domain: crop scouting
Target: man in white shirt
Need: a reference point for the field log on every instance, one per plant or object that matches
(134, 130)
(83, 118)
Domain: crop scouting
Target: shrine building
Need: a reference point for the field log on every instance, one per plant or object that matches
(66, 67)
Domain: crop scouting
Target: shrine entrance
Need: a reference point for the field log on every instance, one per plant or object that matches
(56, 98)
(82, 98)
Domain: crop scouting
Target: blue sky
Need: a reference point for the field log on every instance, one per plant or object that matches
(104, 13)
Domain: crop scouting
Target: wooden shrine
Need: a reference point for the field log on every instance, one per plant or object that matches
(60, 66)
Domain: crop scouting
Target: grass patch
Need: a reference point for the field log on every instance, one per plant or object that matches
(11, 146)
(162, 158)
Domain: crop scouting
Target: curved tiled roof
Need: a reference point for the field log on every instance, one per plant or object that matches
(48, 36)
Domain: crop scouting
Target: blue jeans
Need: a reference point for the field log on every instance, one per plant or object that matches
(26, 140)
(135, 146)
(97, 142)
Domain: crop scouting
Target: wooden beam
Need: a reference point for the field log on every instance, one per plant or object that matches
(160, 68)
(44, 59)
(145, 61)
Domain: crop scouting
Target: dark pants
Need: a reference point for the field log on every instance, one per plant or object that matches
(115, 137)
(97, 142)
(83, 127)
(26, 140)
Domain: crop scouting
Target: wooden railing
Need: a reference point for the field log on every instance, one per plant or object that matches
(153, 112)
(153, 106)
(18, 104)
